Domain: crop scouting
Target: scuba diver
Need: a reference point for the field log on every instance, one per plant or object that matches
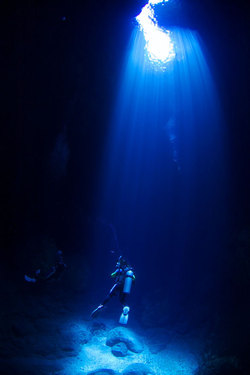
(124, 276)
(54, 273)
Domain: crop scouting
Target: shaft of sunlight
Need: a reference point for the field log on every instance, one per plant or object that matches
(159, 46)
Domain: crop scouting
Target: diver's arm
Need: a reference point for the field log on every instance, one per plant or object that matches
(114, 274)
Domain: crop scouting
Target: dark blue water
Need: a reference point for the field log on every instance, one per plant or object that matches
(165, 163)
(103, 153)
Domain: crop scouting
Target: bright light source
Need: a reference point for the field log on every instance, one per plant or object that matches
(154, 2)
(159, 46)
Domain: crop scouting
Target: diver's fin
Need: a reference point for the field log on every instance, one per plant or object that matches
(124, 316)
(96, 311)
(29, 279)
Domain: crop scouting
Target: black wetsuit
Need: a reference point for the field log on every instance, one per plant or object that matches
(56, 271)
(117, 288)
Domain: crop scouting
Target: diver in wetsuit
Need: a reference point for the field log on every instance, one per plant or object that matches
(54, 274)
(124, 276)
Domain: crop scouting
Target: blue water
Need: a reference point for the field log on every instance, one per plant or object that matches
(162, 201)
(160, 198)
(164, 167)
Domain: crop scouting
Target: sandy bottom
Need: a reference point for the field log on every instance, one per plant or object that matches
(178, 358)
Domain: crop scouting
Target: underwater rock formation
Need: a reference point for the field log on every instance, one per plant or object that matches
(137, 369)
(103, 371)
(121, 334)
(120, 349)
(34, 366)
(40, 337)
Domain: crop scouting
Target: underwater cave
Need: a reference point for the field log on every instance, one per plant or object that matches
(125, 208)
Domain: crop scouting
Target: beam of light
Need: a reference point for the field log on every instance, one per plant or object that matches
(158, 153)
(159, 46)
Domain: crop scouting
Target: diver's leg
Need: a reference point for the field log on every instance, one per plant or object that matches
(123, 298)
(113, 291)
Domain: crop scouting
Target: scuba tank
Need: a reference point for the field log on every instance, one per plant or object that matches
(128, 281)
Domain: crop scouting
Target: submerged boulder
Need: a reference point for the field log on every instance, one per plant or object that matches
(137, 369)
(120, 349)
(122, 334)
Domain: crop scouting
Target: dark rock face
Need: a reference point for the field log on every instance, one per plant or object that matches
(158, 339)
(22, 328)
(120, 349)
(121, 334)
(137, 369)
(38, 366)
(219, 366)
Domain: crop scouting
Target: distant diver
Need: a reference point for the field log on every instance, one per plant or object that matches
(54, 273)
(124, 276)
